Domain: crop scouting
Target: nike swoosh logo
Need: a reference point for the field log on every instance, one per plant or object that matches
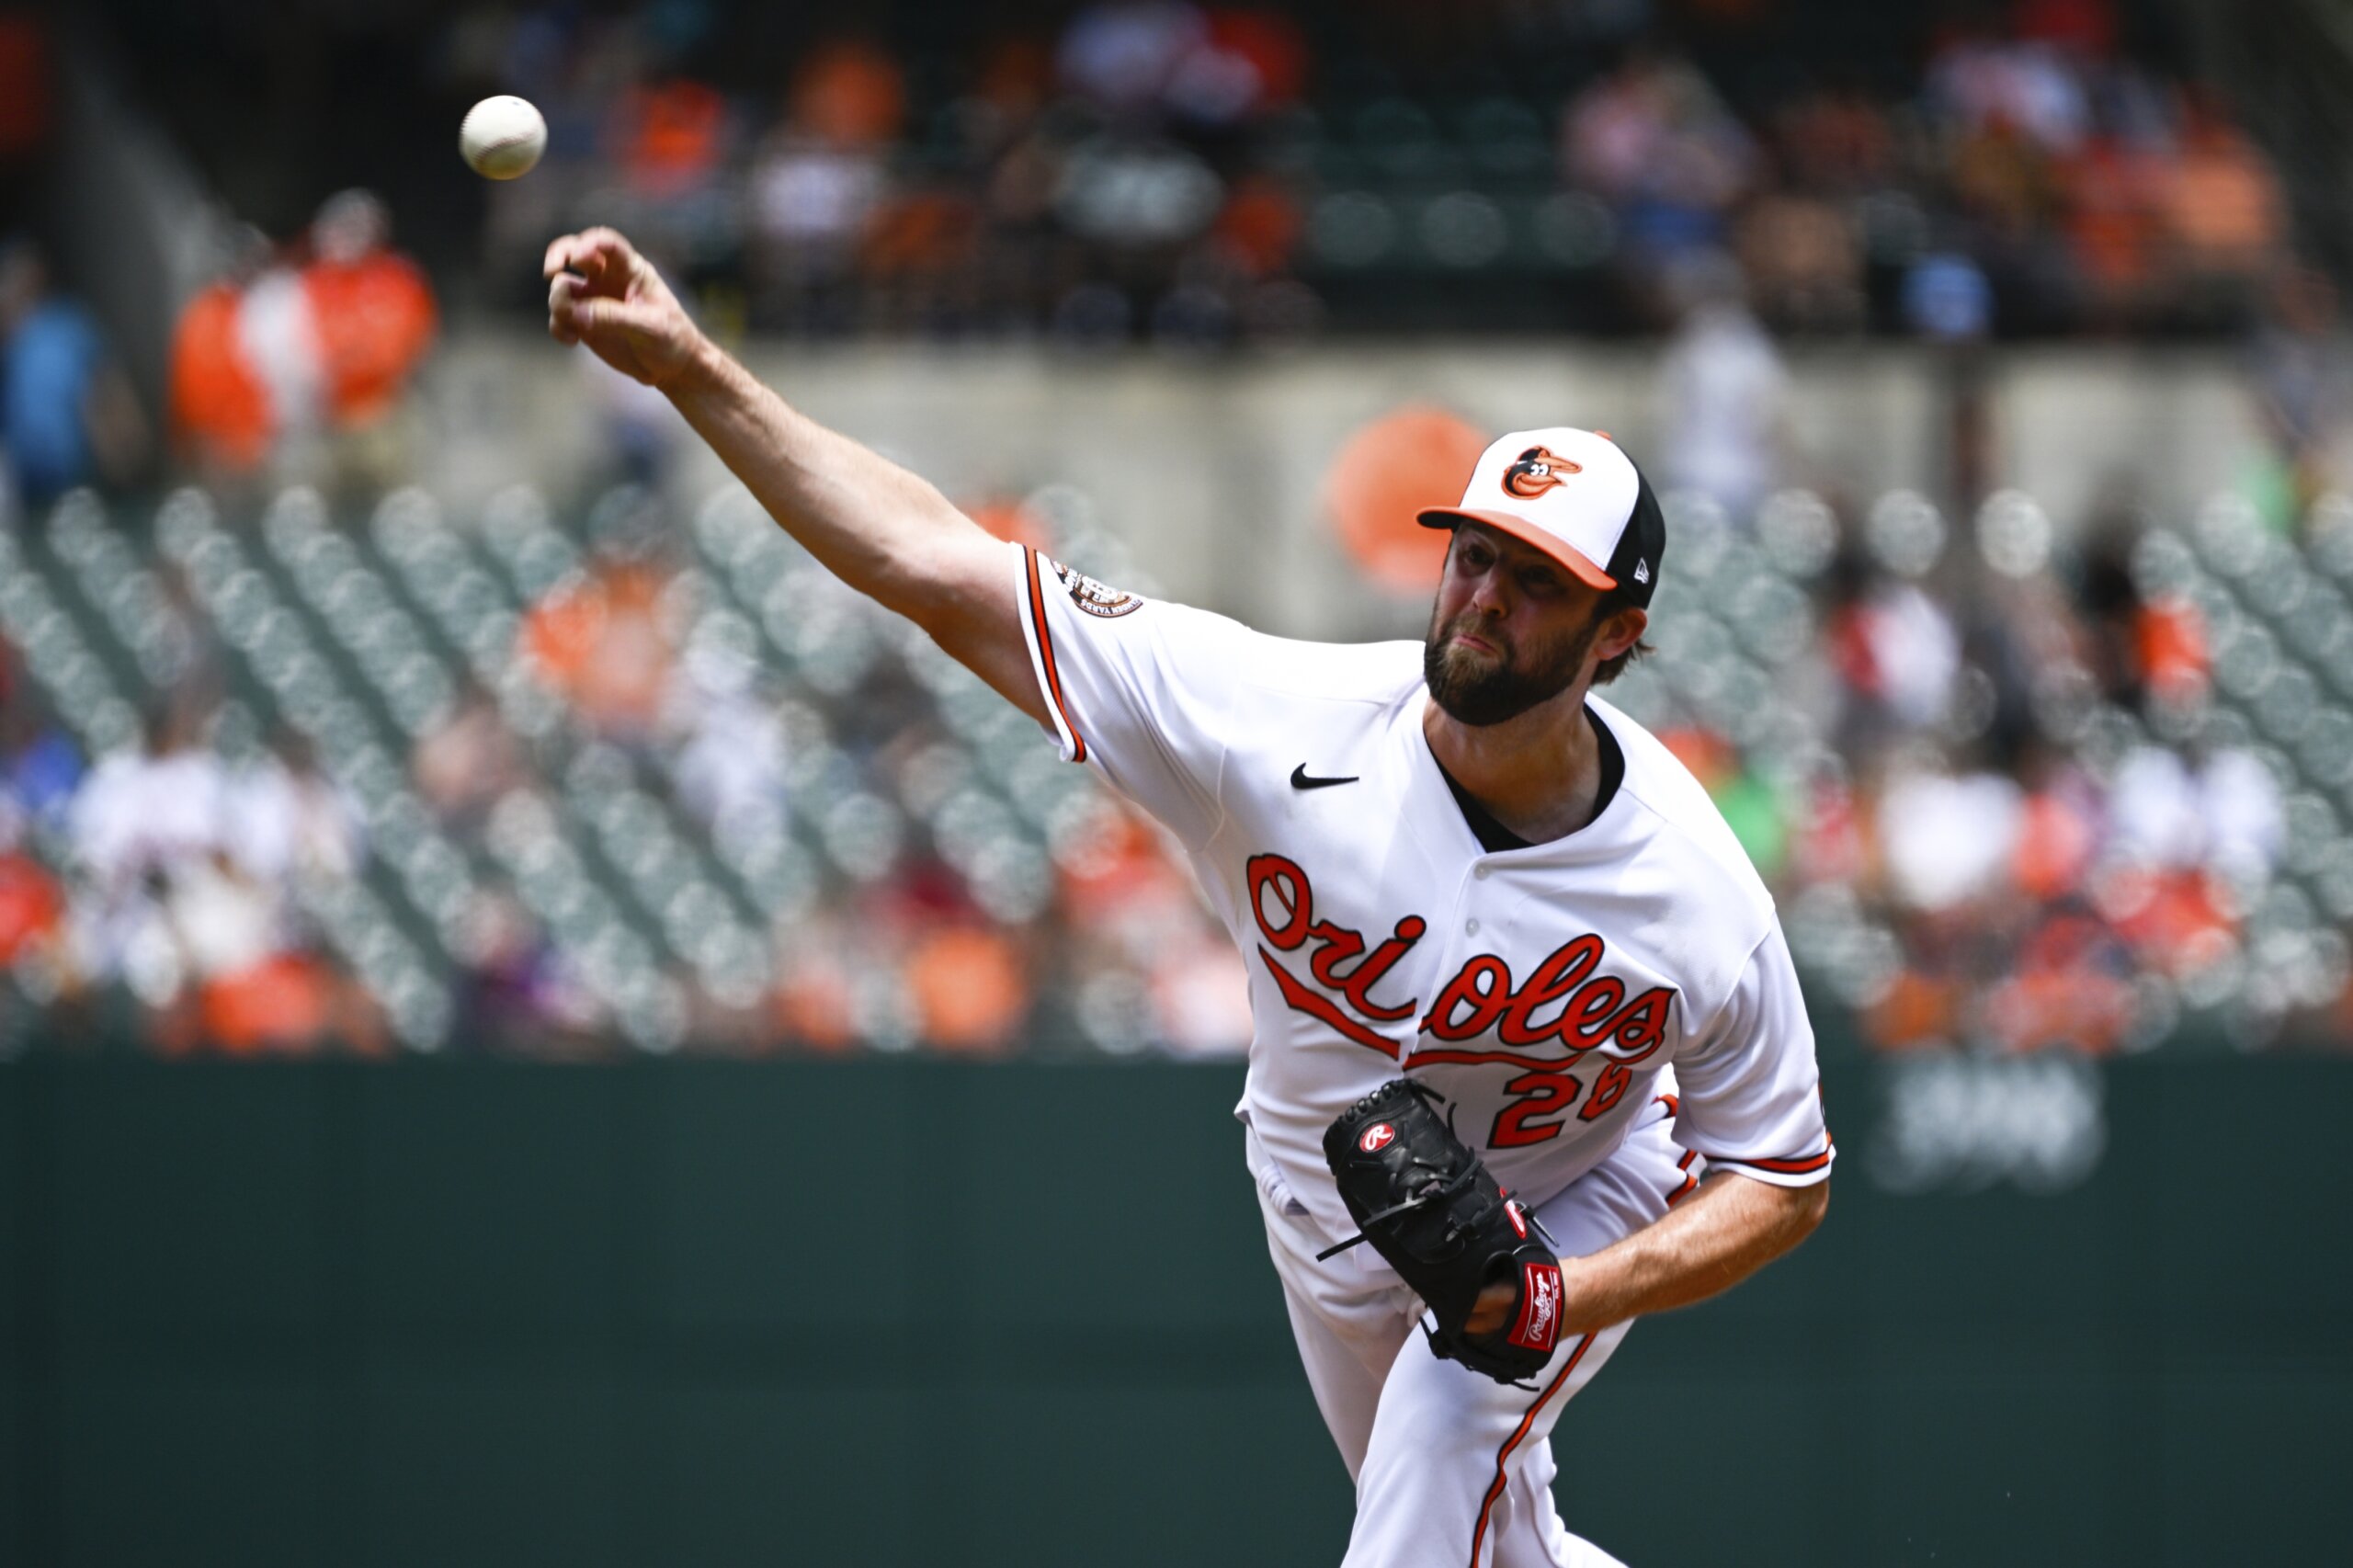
(1302, 779)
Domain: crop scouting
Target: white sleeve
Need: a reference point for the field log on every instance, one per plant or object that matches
(1751, 1096)
(1135, 689)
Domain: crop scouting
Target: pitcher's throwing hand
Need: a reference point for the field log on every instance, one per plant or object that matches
(604, 295)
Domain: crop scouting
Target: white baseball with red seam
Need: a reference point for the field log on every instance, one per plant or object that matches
(503, 137)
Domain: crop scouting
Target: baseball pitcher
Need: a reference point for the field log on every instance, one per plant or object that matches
(1529, 1057)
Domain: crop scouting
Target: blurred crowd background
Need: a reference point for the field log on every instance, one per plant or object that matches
(301, 750)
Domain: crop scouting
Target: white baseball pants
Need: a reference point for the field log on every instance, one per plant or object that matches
(1452, 1467)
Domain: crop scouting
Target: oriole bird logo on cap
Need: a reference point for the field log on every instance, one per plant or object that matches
(1535, 470)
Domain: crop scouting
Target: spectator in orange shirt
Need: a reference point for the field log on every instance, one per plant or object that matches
(2224, 203)
(221, 415)
(373, 313)
(598, 641)
(32, 907)
(970, 994)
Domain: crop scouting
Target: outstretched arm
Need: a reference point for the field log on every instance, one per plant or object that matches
(1727, 1229)
(880, 529)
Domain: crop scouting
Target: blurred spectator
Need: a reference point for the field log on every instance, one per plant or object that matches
(1804, 265)
(372, 317)
(1986, 83)
(39, 773)
(511, 993)
(2240, 803)
(813, 1004)
(2114, 229)
(222, 414)
(283, 819)
(968, 989)
(730, 768)
(2222, 816)
(1946, 838)
(32, 902)
(274, 355)
(2141, 652)
(2070, 986)
(670, 136)
(67, 414)
(1655, 140)
(469, 762)
(2059, 832)
(598, 641)
(1127, 56)
(1894, 649)
(144, 813)
(2223, 205)
(40, 769)
(277, 345)
(193, 869)
(1723, 391)
(821, 176)
(1836, 142)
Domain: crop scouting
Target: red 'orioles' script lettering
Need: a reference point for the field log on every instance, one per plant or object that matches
(1592, 1010)
(1554, 980)
(1283, 901)
(1485, 984)
(1482, 996)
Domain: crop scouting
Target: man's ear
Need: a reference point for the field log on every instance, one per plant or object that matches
(1621, 632)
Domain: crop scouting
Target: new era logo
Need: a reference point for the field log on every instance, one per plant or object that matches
(1642, 571)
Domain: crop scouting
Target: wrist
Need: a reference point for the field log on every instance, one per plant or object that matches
(699, 371)
(1585, 1292)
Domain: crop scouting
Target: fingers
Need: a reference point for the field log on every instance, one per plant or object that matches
(648, 321)
(564, 291)
(573, 312)
(592, 252)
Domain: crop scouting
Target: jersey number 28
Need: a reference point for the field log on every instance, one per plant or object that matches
(1549, 1094)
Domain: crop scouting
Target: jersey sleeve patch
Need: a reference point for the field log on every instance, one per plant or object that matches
(1091, 596)
(1143, 699)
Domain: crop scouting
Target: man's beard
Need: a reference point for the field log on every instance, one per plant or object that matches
(1477, 690)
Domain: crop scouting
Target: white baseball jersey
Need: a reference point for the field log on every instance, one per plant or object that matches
(1549, 991)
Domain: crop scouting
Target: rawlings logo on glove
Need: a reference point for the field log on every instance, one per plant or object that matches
(1539, 1307)
(1430, 1208)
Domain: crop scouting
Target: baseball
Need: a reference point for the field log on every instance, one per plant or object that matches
(503, 137)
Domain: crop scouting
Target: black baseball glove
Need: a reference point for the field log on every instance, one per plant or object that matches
(1422, 1198)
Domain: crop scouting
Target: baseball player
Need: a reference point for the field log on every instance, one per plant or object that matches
(1446, 862)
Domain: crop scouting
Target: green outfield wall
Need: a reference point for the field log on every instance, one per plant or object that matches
(897, 1311)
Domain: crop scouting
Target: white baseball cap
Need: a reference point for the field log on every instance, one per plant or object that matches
(1574, 495)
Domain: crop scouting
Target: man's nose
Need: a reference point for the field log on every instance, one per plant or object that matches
(1490, 598)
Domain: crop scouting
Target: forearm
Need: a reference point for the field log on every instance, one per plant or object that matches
(1727, 1229)
(882, 530)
